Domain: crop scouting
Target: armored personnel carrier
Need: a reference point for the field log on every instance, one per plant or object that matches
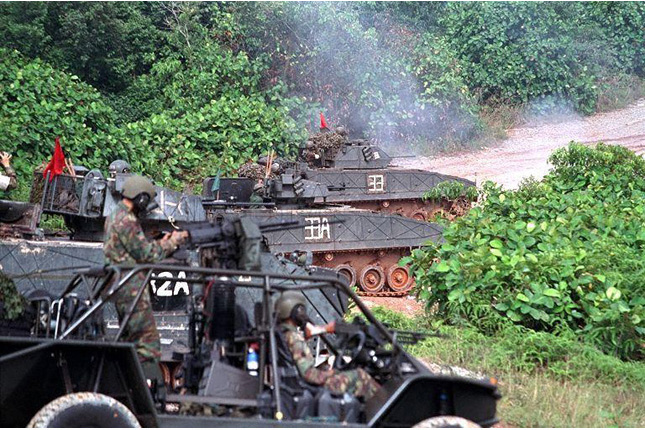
(86, 198)
(364, 246)
(360, 174)
(67, 370)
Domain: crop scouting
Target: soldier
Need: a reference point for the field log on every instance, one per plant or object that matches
(8, 179)
(125, 243)
(258, 191)
(291, 311)
(118, 167)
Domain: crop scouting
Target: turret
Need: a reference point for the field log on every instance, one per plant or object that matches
(336, 150)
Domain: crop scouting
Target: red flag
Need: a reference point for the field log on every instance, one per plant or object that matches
(56, 164)
(323, 123)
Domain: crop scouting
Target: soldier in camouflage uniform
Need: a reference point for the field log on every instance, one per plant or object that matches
(290, 308)
(8, 177)
(125, 243)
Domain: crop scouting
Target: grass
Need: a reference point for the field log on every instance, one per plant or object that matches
(547, 380)
(499, 116)
(540, 400)
(620, 91)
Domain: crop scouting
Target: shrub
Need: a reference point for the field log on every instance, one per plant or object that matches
(568, 251)
(39, 103)
(551, 53)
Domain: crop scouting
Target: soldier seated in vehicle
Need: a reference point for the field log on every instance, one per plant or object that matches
(292, 314)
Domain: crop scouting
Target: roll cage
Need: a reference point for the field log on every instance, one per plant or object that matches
(102, 283)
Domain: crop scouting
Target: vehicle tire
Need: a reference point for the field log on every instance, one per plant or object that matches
(84, 410)
(446, 422)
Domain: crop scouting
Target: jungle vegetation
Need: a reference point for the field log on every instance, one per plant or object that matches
(182, 89)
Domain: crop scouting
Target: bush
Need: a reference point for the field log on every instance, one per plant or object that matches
(177, 147)
(551, 53)
(568, 251)
(220, 136)
(365, 69)
(39, 103)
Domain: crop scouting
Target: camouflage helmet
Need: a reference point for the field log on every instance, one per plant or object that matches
(135, 185)
(286, 302)
(118, 166)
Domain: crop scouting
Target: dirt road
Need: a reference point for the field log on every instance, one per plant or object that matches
(526, 150)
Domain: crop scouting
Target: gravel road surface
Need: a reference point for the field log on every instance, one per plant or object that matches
(527, 148)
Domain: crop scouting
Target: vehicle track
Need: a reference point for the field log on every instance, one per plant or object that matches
(527, 148)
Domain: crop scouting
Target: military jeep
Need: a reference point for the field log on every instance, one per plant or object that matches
(70, 370)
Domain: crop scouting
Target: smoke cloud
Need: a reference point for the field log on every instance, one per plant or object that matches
(363, 77)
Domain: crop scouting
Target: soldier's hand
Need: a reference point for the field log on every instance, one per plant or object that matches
(5, 158)
(179, 237)
(315, 330)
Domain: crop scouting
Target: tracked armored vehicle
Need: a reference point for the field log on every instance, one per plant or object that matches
(360, 174)
(364, 246)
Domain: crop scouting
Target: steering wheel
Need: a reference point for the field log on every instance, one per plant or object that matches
(345, 349)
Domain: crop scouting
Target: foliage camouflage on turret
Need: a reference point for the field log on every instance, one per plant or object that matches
(12, 304)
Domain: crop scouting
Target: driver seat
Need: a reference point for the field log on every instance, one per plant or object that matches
(299, 402)
(308, 400)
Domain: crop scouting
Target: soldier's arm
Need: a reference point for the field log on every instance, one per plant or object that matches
(138, 245)
(8, 182)
(305, 361)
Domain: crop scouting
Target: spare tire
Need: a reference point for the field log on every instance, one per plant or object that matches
(84, 410)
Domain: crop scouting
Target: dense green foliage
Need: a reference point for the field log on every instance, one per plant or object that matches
(104, 43)
(561, 52)
(38, 103)
(168, 84)
(566, 251)
(450, 190)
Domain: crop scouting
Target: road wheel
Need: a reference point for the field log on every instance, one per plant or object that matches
(177, 377)
(419, 215)
(398, 278)
(372, 279)
(446, 422)
(347, 271)
(84, 410)
(165, 372)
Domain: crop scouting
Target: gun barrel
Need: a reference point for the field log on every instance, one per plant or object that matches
(221, 203)
(412, 337)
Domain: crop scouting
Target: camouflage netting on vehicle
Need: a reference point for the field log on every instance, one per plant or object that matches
(37, 186)
(251, 170)
(12, 304)
(327, 142)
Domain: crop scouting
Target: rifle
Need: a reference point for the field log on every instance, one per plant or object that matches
(402, 337)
